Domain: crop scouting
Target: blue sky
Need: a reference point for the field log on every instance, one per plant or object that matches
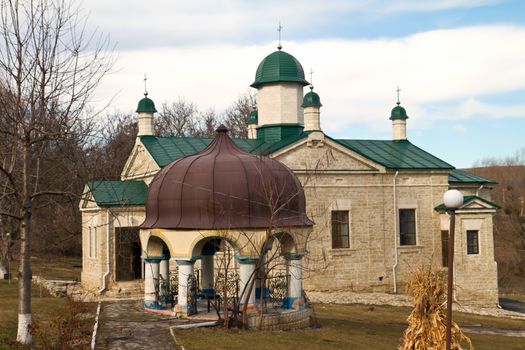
(460, 63)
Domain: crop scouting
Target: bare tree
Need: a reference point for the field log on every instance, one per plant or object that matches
(236, 116)
(49, 69)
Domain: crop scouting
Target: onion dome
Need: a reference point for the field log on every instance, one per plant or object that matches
(398, 113)
(253, 117)
(146, 105)
(224, 187)
(311, 99)
(277, 67)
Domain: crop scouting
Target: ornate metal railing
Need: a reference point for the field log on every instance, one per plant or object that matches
(192, 290)
(277, 289)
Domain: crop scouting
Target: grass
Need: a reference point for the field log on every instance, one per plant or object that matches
(53, 267)
(346, 327)
(47, 311)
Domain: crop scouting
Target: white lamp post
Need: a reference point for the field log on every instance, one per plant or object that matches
(452, 199)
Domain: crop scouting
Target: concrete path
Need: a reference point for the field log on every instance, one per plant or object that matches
(494, 331)
(124, 325)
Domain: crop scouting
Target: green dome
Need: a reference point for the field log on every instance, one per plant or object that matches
(279, 66)
(146, 105)
(253, 117)
(311, 99)
(398, 113)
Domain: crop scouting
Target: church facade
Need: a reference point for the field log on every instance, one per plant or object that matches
(376, 204)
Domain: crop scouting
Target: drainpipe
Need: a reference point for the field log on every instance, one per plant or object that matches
(479, 189)
(107, 255)
(395, 234)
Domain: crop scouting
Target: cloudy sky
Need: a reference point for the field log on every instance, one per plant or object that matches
(460, 63)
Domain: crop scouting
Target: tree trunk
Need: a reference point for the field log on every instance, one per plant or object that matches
(24, 269)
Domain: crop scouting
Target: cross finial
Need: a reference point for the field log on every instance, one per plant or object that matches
(145, 85)
(279, 29)
(398, 89)
(311, 79)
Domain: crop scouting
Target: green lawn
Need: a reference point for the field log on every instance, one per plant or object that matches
(51, 315)
(345, 327)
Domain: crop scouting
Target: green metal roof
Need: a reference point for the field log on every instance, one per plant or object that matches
(146, 105)
(118, 193)
(277, 132)
(253, 117)
(459, 176)
(311, 99)
(398, 113)
(164, 150)
(279, 66)
(467, 200)
(391, 154)
(399, 154)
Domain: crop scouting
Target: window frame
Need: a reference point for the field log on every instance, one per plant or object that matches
(470, 244)
(402, 242)
(341, 234)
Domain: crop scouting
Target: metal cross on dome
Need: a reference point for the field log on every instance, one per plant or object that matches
(279, 29)
(145, 86)
(311, 79)
(398, 90)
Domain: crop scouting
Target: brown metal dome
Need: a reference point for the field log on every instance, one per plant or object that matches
(224, 187)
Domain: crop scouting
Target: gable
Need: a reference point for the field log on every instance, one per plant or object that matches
(140, 163)
(87, 201)
(472, 204)
(321, 154)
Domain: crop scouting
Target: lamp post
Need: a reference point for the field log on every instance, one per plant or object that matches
(452, 199)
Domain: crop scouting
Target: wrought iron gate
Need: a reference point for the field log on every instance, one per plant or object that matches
(191, 294)
(278, 289)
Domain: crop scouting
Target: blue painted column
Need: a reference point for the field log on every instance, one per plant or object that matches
(164, 282)
(207, 270)
(294, 270)
(185, 270)
(247, 274)
(151, 280)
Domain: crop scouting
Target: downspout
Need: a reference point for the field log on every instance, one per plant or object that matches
(395, 233)
(107, 256)
(479, 189)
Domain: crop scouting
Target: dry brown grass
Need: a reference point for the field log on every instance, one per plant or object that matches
(427, 321)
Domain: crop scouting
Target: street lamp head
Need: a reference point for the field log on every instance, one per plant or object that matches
(453, 199)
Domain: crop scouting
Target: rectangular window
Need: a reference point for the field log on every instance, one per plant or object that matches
(340, 229)
(472, 242)
(90, 252)
(95, 242)
(407, 226)
(444, 248)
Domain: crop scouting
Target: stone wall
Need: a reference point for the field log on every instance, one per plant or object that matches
(282, 321)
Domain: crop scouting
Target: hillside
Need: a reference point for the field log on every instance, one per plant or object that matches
(509, 223)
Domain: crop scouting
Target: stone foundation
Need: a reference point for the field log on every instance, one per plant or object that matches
(282, 321)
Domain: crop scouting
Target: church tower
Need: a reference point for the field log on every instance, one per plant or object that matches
(312, 111)
(279, 81)
(399, 121)
(145, 109)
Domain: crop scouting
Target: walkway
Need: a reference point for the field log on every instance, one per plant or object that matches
(124, 325)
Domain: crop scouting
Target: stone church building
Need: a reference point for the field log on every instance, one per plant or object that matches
(376, 205)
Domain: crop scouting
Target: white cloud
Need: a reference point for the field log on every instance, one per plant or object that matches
(154, 23)
(443, 74)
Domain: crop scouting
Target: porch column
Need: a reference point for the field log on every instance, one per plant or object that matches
(247, 274)
(294, 270)
(208, 285)
(164, 281)
(258, 283)
(151, 279)
(185, 270)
